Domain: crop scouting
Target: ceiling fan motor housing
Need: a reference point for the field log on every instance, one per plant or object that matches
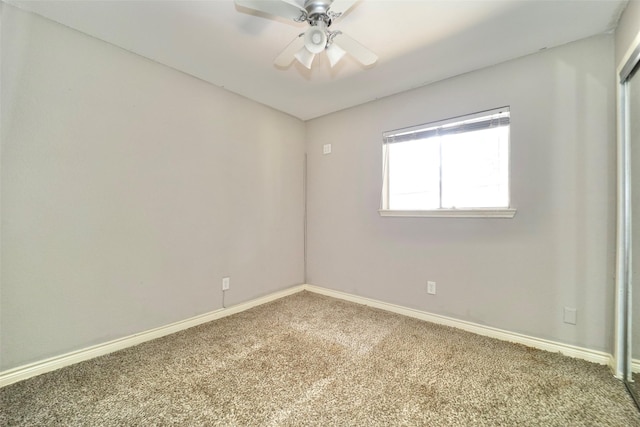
(317, 11)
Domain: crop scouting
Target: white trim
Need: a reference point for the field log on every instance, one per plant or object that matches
(27, 371)
(635, 365)
(539, 343)
(31, 370)
(453, 213)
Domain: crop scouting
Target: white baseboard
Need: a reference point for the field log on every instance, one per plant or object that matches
(27, 371)
(31, 370)
(542, 344)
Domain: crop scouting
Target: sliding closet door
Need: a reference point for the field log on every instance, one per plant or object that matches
(633, 123)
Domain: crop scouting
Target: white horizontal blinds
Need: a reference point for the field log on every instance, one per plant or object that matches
(473, 122)
(457, 163)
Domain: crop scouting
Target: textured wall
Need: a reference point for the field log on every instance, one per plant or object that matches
(129, 190)
(516, 274)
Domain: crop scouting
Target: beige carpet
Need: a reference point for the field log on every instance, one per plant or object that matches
(313, 360)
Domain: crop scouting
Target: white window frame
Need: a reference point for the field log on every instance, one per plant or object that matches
(410, 132)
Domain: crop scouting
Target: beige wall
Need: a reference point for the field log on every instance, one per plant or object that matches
(515, 274)
(129, 190)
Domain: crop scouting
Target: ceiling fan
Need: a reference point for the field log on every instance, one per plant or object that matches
(320, 14)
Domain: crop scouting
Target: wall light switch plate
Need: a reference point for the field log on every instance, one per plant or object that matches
(326, 149)
(225, 283)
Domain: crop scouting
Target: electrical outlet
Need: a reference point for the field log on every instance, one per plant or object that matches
(431, 287)
(225, 283)
(570, 315)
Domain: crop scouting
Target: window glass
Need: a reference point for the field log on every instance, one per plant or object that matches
(460, 163)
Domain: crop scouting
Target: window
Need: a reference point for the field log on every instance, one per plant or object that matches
(453, 167)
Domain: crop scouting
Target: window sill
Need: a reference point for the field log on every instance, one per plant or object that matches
(453, 213)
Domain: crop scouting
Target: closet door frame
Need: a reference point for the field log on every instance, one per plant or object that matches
(623, 345)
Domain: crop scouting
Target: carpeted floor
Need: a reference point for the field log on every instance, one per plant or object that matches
(313, 360)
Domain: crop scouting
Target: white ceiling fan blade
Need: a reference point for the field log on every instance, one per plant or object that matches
(341, 6)
(355, 49)
(284, 8)
(286, 57)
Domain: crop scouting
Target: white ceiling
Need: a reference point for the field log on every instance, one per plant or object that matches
(418, 42)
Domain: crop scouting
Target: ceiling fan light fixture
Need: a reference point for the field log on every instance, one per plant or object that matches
(319, 14)
(315, 38)
(335, 54)
(305, 57)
